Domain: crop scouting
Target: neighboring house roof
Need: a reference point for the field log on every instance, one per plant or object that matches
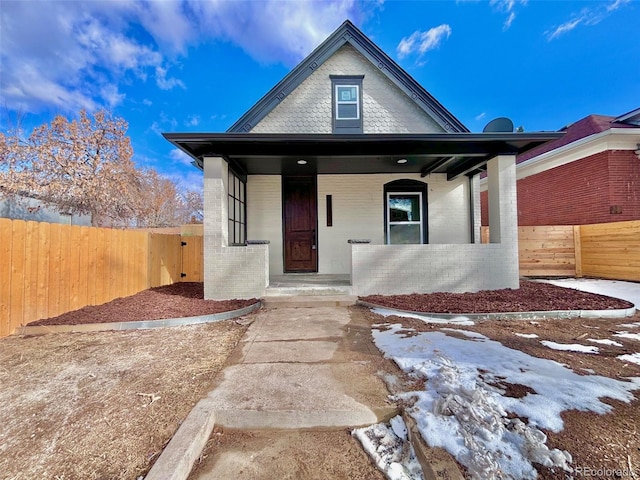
(585, 127)
(347, 33)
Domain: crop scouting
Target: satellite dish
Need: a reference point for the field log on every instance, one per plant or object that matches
(500, 124)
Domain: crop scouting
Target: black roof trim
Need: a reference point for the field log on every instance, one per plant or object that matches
(269, 153)
(348, 33)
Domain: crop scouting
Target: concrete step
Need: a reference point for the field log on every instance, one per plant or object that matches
(308, 301)
(308, 290)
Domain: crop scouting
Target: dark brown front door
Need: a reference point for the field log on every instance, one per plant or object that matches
(300, 223)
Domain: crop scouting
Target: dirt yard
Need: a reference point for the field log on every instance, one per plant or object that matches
(610, 441)
(102, 405)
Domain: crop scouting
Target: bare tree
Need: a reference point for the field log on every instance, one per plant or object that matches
(81, 166)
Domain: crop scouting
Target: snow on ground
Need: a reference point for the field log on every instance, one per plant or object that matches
(387, 445)
(629, 291)
(633, 358)
(630, 325)
(461, 320)
(631, 336)
(605, 342)
(570, 347)
(463, 409)
(526, 335)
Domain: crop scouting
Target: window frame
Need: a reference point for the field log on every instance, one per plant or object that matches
(407, 187)
(236, 209)
(339, 102)
(346, 125)
(389, 222)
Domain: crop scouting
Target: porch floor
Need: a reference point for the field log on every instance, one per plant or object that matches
(309, 280)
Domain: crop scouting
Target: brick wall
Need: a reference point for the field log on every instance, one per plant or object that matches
(580, 192)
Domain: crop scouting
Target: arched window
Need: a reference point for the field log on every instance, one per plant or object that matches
(405, 212)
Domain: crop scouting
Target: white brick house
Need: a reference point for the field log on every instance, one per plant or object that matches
(348, 166)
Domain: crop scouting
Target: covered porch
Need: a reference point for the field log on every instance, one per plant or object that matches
(349, 235)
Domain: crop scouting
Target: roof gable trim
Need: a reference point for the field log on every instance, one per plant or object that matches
(348, 33)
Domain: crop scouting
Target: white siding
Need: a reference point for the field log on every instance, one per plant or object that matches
(386, 109)
(358, 212)
(264, 216)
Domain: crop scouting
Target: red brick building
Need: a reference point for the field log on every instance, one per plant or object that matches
(590, 175)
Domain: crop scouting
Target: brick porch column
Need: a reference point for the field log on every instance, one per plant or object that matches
(503, 212)
(216, 225)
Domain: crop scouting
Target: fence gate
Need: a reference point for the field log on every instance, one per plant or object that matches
(192, 259)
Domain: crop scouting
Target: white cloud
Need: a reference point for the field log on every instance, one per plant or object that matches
(79, 52)
(178, 156)
(70, 55)
(508, 7)
(617, 4)
(192, 121)
(588, 16)
(165, 83)
(481, 116)
(421, 42)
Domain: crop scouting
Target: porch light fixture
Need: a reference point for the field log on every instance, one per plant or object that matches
(401, 161)
(302, 162)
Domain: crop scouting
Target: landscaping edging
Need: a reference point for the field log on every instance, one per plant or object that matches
(540, 315)
(137, 325)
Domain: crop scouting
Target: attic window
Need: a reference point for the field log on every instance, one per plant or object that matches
(347, 102)
(346, 96)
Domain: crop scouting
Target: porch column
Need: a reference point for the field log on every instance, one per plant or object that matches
(503, 207)
(216, 225)
(503, 219)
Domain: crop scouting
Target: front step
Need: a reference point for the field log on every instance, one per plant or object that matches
(308, 291)
(308, 301)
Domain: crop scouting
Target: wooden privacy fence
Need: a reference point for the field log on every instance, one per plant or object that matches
(611, 250)
(48, 269)
(605, 250)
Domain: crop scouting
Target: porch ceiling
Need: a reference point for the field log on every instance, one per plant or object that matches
(275, 154)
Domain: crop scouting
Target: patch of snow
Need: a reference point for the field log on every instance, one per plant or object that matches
(632, 336)
(526, 335)
(630, 325)
(633, 358)
(461, 320)
(570, 347)
(398, 427)
(463, 411)
(628, 291)
(605, 341)
(466, 333)
(391, 452)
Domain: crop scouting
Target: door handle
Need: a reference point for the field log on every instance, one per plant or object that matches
(313, 240)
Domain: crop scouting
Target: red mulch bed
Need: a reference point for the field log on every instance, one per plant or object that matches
(531, 297)
(172, 301)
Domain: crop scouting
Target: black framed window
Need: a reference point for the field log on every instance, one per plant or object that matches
(346, 103)
(405, 212)
(237, 205)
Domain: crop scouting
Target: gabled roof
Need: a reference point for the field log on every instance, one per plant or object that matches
(585, 127)
(347, 33)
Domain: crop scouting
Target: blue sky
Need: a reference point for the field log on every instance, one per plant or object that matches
(198, 65)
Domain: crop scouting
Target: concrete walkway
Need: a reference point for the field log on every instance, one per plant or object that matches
(301, 368)
(296, 369)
